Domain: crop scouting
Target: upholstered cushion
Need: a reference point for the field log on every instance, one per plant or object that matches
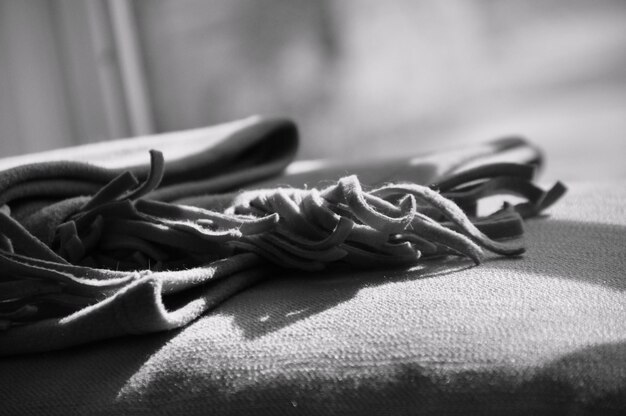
(540, 334)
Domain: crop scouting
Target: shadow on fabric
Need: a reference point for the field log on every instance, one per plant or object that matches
(85, 379)
(296, 297)
(588, 252)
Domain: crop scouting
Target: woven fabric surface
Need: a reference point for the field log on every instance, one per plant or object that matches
(541, 334)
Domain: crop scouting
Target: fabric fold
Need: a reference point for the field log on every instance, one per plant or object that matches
(99, 248)
(148, 304)
(213, 160)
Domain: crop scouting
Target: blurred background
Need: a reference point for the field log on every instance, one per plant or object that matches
(362, 78)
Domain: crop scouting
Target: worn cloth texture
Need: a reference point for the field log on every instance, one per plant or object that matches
(540, 334)
(41, 193)
(83, 265)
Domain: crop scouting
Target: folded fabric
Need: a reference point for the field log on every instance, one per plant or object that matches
(98, 250)
(206, 160)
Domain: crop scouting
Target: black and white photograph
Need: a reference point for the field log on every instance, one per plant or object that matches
(313, 207)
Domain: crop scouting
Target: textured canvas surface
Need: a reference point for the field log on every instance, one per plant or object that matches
(543, 334)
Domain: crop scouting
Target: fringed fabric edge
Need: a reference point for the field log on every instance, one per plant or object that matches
(120, 234)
